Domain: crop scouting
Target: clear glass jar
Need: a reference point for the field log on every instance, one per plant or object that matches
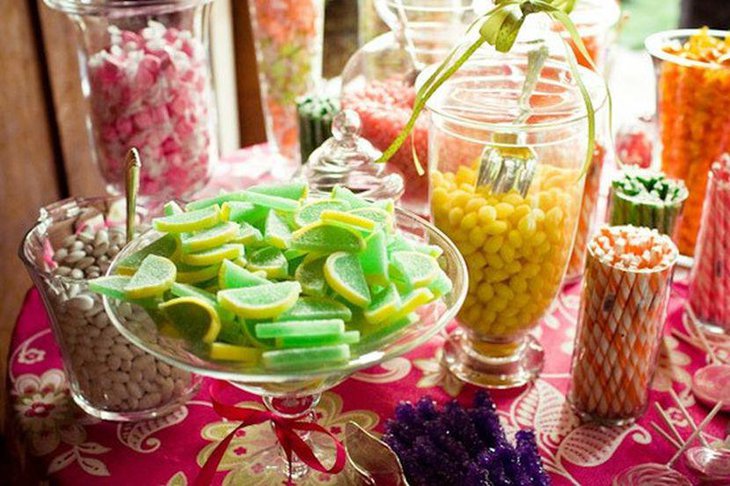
(145, 71)
(378, 80)
(73, 242)
(516, 246)
(288, 38)
(693, 116)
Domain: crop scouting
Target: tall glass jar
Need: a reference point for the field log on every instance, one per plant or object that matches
(378, 80)
(288, 39)
(693, 106)
(145, 71)
(516, 243)
(73, 242)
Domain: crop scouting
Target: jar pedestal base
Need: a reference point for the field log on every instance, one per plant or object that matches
(511, 371)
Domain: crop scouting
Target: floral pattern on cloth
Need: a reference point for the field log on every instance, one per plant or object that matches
(68, 447)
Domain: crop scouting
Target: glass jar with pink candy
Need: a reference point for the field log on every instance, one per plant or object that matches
(145, 71)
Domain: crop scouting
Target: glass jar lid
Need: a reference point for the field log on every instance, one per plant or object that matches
(348, 160)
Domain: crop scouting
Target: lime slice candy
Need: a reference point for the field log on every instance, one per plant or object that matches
(343, 194)
(196, 275)
(214, 255)
(287, 359)
(413, 269)
(276, 231)
(308, 308)
(155, 275)
(193, 317)
(384, 304)
(209, 238)
(270, 260)
(310, 212)
(345, 276)
(313, 327)
(171, 208)
(296, 189)
(374, 259)
(272, 202)
(348, 337)
(243, 212)
(251, 302)
(185, 290)
(166, 246)
(112, 286)
(232, 276)
(348, 220)
(326, 239)
(191, 221)
(310, 274)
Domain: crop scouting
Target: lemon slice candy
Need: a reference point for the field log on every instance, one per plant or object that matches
(326, 239)
(276, 231)
(269, 260)
(310, 212)
(214, 255)
(193, 317)
(191, 221)
(166, 246)
(253, 303)
(210, 237)
(155, 275)
(345, 276)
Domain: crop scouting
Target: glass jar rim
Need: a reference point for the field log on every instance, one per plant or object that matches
(656, 42)
(104, 7)
(644, 271)
(594, 83)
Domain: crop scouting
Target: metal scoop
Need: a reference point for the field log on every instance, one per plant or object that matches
(501, 168)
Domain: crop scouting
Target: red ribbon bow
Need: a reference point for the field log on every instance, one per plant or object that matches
(285, 433)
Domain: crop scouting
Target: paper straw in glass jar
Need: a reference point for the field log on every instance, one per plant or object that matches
(709, 283)
(646, 198)
(623, 307)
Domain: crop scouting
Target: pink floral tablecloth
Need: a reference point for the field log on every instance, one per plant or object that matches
(68, 447)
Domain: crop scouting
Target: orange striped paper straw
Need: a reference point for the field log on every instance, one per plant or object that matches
(622, 312)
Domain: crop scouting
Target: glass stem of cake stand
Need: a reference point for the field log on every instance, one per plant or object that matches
(299, 409)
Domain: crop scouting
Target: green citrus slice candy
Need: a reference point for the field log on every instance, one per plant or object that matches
(310, 212)
(344, 275)
(348, 337)
(185, 290)
(326, 239)
(374, 259)
(243, 212)
(385, 303)
(399, 243)
(343, 194)
(166, 246)
(248, 235)
(296, 189)
(249, 329)
(380, 216)
(349, 220)
(154, 276)
(260, 303)
(212, 256)
(276, 231)
(314, 327)
(317, 356)
(196, 275)
(230, 352)
(271, 202)
(441, 285)
(409, 303)
(172, 208)
(269, 260)
(218, 200)
(191, 221)
(413, 269)
(193, 317)
(433, 251)
(310, 274)
(232, 332)
(112, 286)
(232, 276)
(374, 332)
(209, 238)
(308, 308)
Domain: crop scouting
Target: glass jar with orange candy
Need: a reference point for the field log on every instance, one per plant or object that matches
(693, 105)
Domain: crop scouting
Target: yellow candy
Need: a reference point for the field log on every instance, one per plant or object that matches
(455, 215)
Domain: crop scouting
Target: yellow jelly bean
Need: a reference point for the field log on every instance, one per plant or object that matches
(467, 187)
(439, 197)
(487, 214)
(513, 267)
(460, 198)
(477, 259)
(513, 198)
(496, 227)
(497, 276)
(518, 284)
(504, 210)
(515, 239)
(477, 236)
(495, 261)
(485, 292)
(475, 204)
(469, 221)
(527, 226)
(554, 218)
(455, 216)
(504, 292)
(467, 249)
(493, 244)
(538, 238)
(521, 211)
(507, 253)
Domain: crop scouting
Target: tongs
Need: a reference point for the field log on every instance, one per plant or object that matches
(503, 168)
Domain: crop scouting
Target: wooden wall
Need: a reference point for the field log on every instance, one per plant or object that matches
(43, 145)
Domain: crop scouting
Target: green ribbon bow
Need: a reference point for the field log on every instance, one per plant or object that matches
(499, 28)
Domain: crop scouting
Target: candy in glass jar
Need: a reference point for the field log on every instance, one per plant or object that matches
(145, 70)
(516, 237)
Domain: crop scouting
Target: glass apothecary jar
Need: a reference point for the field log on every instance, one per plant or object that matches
(73, 242)
(378, 80)
(693, 88)
(516, 242)
(145, 71)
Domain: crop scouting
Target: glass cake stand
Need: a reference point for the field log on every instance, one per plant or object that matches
(294, 394)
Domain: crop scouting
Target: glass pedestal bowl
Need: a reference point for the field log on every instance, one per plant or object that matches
(293, 394)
